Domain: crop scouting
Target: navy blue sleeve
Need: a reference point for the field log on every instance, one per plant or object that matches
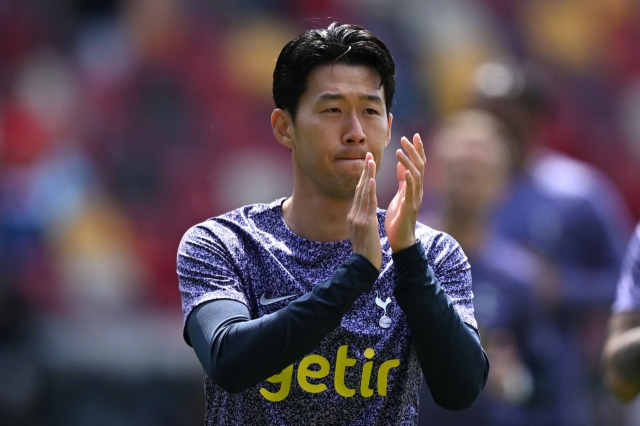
(238, 353)
(454, 365)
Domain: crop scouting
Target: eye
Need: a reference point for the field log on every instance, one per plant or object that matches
(371, 111)
(334, 110)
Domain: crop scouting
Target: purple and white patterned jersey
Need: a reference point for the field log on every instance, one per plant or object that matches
(365, 372)
(628, 293)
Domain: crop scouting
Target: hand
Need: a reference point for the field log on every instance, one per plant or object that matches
(402, 214)
(511, 379)
(363, 220)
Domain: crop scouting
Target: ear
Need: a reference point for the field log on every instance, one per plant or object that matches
(282, 126)
(390, 119)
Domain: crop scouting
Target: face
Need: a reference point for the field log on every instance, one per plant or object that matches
(473, 160)
(341, 116)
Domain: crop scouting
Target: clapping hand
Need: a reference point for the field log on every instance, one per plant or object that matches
(402, 214)
(363, 218)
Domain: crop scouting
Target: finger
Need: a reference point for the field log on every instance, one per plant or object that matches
(365, 170)
(409, 195)
(419, 185)
(419, 146)
(412, 153)
(417, 163)
(371, 172)
(417, 143)
(408, 164)
(371, 165)
(415, 190)
(356, 198)
(363, 202)
(373, 200)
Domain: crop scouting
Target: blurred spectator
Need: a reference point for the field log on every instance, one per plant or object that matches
(573, 218)
(470, 160)
(123, 122)
(622, 350)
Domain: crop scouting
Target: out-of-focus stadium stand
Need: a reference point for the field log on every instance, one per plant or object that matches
(122, 123)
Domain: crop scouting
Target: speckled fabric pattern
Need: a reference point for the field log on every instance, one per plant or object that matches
(361, 373)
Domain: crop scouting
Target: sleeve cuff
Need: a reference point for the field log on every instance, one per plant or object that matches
(404, 259)
(364, 267)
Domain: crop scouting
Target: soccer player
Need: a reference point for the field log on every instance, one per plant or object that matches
(622, 349)
(322, 308)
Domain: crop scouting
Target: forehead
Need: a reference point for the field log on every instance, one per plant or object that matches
(342, 79)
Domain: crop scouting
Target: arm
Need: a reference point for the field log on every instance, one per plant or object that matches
(592, 279)
(622, 355)
(622, 349)
(237, 353)
(596, 235)
(453, 362)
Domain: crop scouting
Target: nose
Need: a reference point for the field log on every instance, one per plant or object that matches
(353, 130)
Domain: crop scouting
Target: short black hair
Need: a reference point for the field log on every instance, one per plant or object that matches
(344, 44)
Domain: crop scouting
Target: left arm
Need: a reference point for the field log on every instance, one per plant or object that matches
(454, 365)
(453, 362)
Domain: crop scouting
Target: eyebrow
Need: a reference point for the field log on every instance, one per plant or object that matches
(333, 96)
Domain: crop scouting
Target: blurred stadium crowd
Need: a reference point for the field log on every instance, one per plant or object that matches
(122, 123)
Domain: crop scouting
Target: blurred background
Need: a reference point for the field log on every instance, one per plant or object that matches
(123, 123)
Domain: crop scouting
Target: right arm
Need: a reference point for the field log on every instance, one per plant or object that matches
(238, 352)
(622, 355)
(622, 348)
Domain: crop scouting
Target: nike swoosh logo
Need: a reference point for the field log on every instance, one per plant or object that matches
(264, 301)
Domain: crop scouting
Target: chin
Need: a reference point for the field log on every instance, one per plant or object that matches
(342, 188)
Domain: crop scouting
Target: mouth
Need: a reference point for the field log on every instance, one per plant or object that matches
(351, 156)
(351, 162)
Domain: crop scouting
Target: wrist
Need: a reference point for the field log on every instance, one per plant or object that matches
(412, 256)
(399, 246)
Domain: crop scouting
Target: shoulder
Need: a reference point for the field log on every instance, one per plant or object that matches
(444, 254)
(580, 188)
(231, 229)
(560, 175)
(451, 267)
(439, 245)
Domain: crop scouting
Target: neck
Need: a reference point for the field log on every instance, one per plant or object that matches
(316, 217)
(466, 227)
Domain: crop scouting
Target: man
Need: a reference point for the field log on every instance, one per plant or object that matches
(571, 215)
(622, 349)
(321, 308)
(470, 163)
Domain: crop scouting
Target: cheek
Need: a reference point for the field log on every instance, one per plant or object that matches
(378, 156)
(310, 158)
(377, 145)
